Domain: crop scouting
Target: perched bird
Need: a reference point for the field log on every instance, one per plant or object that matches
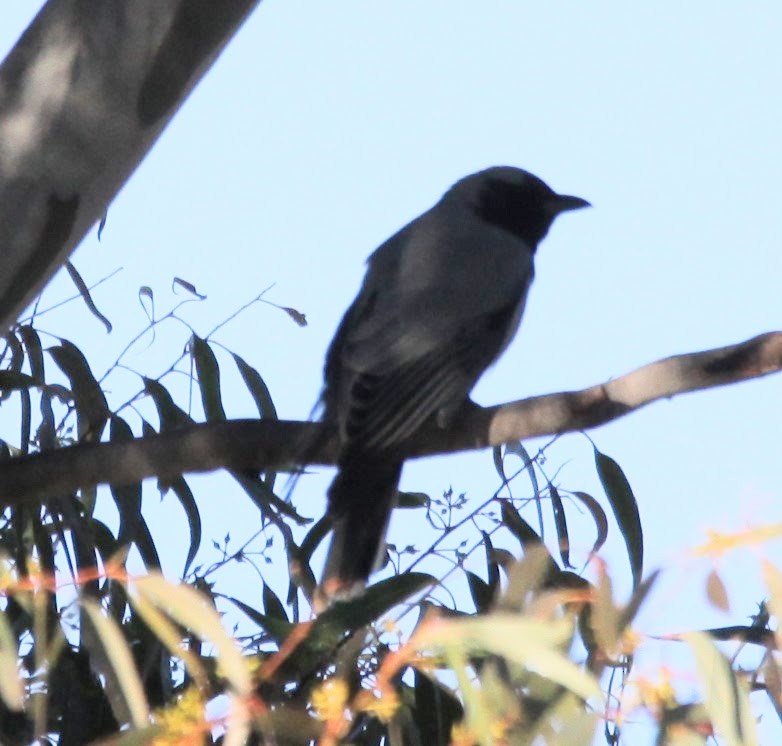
(440, 301)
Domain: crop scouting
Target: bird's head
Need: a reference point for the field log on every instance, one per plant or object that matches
(515, 200)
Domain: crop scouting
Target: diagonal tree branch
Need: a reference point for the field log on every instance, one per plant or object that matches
(84, 95)
(254, 444)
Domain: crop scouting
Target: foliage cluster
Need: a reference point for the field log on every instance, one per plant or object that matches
(96, 645)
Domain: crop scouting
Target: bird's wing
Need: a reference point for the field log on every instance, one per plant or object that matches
(384, 408)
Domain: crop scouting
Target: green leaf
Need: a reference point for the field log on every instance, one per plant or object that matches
(408, 500)
(345, 617)
(374, 602)
(565, 722)
(604, 616)
(11, 685)
(208, 372)
(526, 536)
(625, 508)
(169, 635)
(726, 698)
(192, 610)
(528, 642)
(628, 613)
(773, 579)
(122, 664)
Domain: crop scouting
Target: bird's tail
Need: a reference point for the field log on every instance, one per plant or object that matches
(361, 499)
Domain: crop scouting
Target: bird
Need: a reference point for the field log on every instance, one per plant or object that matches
(440, 301)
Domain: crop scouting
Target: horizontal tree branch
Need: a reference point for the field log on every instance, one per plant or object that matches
(277, 444)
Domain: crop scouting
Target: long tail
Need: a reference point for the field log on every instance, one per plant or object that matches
(361, 499)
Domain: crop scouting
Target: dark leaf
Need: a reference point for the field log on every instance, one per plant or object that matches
(598, 516)
(102, 223)
(527, 537)
(258, 491)
(13, 369)
(185, 496)
(517, 449)
(127, 497)
(480, 591)
(187, 286)
(437, 710)
(272, 604)
(499, 465)
(314, 537)
(639, 596)
(625, 508)
(503, 558)
(171, 416)
(257, 388)
(84, 291)
(46, 435)
(208, 379)
(32, 343)
(84, 553)
(492, 570)
(276, 628)
(301, 575)
(92, 410)
(299, 558)
(14, 347)
(297, 316)
(146, 292)
(12, 380)
(560, 521)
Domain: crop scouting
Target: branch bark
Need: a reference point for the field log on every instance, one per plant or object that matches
(84, 95)
(277, 444)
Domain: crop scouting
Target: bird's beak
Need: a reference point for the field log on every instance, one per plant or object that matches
(564, 202)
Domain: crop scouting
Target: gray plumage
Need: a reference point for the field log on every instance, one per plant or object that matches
(440, 301)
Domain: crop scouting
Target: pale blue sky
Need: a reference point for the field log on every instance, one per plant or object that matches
(325, 127)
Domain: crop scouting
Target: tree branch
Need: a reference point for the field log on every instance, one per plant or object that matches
(254, 444)
(84, 95)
